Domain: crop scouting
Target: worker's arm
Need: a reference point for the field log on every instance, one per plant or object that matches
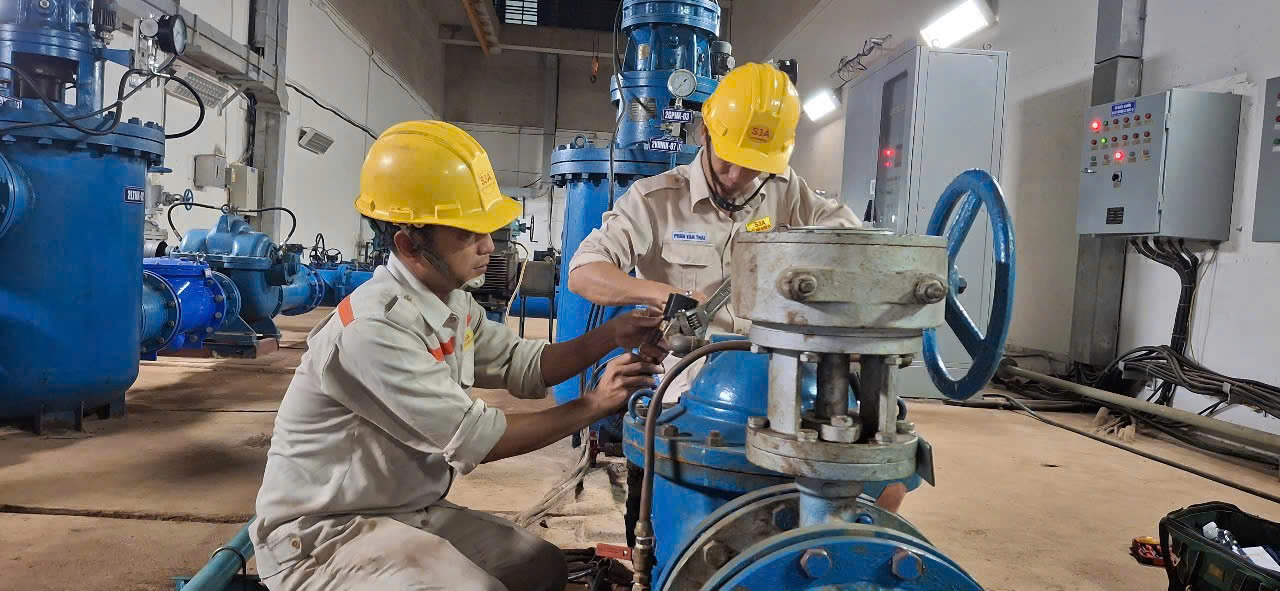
(635, 329)
(600, 268)
(532, 431)
(384, 373)
(605, 284)
(816, 210)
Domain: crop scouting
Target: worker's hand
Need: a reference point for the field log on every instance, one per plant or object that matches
(623, 375)
(639, 329)
(659, 300)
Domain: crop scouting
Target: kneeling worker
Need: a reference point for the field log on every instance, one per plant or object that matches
(676, 229)
(378, 422)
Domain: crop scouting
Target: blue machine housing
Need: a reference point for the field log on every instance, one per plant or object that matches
(70, 318)
(662, 36)
(183, 302)
(270, 280)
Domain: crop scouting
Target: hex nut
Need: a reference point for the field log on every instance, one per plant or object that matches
(715, 439)
(669, 431)
(906, 427)
(842, 421)
(930, 291)
(785, 517)
(716, 554)
(836, 434)
(907, 565)
(815, 562)
(806, 435)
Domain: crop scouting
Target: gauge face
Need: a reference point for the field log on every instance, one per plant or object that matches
(682, 83)
(173, 34)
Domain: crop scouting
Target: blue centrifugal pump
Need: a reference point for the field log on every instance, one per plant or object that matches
(263, 280)
(671, 64)
(70, 314)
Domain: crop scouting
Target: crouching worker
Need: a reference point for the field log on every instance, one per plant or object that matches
(378, 422)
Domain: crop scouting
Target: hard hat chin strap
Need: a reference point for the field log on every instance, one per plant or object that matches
(421, 249)
(717, 189)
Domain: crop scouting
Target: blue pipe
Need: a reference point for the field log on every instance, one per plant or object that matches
(340, 281)
(222, 566)
(531, 307)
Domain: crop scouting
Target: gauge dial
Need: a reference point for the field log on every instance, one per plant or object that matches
(173, 34)
(682, 83)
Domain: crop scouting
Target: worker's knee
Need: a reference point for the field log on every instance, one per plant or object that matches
(542, 566)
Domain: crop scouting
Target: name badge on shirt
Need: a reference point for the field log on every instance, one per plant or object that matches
(763, 224)
(469, 340)
(680, 236)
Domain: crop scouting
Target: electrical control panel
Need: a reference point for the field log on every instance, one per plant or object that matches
(1160, 165)
(1266, 210)
(912, 125)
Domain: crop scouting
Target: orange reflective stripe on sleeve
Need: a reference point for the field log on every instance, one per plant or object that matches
(344, 311)
(447, 347)
(437, 353)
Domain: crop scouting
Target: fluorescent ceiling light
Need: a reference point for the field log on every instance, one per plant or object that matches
(966, 19)
(821, 104)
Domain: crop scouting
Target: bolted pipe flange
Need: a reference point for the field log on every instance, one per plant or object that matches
(815, 563)
(907, 565)
(931, 291)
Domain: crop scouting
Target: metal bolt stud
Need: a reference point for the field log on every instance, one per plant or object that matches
(757, 422)
(44, 4)
(715, 439)
(716, 554)
(906, 427)
(930, 291)
(807, 435)
(815, 563)
(842, 421)
(865, 519)
(669, 431)
(804, 285)
(785, 518)
(907, 565)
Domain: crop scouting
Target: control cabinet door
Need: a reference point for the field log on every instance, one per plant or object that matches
(878, 122)
(1121, 161)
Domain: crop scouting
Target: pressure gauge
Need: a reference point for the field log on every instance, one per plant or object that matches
(148, 27)
(682, 83)
(173, 34)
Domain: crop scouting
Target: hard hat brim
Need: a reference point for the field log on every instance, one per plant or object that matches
(503, 211)
(775, 163)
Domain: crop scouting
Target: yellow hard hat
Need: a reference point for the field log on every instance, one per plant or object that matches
(431, 172)
(752, 117)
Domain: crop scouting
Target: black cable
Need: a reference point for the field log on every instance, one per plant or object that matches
(169, 214)
(340, 114)
(251, 128)
(292, 217)
(227, 209)
(199, 103)
(117, 106)
(1136, 451)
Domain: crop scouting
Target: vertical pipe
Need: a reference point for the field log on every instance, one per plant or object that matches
(833, 385)
(873, 380)
(827, 501)
(784, 392)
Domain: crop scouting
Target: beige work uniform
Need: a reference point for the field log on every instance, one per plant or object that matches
(372, 430)
(667, 229)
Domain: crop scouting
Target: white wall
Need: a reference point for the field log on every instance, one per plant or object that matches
(328, 58)
(1050, 70)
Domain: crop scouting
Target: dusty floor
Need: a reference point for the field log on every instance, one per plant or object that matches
(1021, 505)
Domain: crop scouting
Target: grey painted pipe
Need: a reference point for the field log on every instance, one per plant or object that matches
(1268, 442)
(223, 565)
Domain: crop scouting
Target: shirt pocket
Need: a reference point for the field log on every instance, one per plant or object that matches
(693, 266)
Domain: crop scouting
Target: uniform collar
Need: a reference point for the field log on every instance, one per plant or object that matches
(433, 310)
(700, 188)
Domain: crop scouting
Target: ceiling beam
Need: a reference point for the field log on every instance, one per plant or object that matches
(484, 24)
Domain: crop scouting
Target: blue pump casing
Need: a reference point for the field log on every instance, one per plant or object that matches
(662, 36)
(183, 302)
(270, 280)
(71, 209)
(340, 280)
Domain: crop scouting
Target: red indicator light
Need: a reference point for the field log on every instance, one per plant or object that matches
(1115, 139)
(1119, 155)
(1126, 119)
(1126, 136)
(888, 164)
(889, 152)
(1146, 134)
(1115, 122)
(1096, 125)
(1148, 115)
(1095, 142)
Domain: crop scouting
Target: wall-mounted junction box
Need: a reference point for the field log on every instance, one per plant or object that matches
(242, 187)
(1160, 165)
(211, 170)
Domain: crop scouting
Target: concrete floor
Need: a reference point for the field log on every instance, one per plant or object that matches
(129, 503)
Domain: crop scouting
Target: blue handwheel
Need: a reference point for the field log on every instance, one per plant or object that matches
(971, 191)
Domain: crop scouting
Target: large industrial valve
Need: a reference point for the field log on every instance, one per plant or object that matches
(778, 467)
